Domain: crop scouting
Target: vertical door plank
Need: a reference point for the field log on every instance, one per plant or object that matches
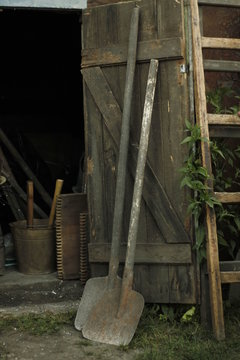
(182, 284)
(153, 282)
(170, 18)
(95, 169)
(158, 19)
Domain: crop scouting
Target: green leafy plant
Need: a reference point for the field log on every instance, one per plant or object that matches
(184, 339)
(236, 108)
(195, 177)
(226, 176)
(216, 99)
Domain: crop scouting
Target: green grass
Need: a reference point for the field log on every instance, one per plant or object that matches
(160, 335)
(3, 353)
(35, 324)
(186, 341)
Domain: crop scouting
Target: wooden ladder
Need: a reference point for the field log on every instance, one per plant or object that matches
(215, 276)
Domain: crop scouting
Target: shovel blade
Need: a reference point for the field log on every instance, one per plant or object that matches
(93, 292)
(104, 326)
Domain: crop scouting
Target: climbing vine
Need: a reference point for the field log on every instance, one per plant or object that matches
(226, 177)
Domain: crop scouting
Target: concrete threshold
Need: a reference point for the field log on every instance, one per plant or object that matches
(55, 308)
(39, 292)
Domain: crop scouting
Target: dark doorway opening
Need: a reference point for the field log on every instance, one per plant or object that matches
(41, 106)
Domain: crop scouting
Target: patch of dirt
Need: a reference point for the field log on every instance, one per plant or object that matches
(68, 343)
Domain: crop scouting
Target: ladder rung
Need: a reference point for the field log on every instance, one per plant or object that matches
(218, 119)
(228, 197)
(229, 265)
(221, 65)
(225, 3)
(230, 277)
(220, 43)
(224, 131)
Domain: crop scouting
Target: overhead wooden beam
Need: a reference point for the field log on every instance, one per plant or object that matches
(162, 49)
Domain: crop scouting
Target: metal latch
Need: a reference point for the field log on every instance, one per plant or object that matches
(183, 69)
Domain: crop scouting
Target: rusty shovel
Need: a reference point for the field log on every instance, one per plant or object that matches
(114, 319)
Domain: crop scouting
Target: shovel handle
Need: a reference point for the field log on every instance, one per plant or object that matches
(30, 203)
(123, 149)
(138, 184)
(58, 189)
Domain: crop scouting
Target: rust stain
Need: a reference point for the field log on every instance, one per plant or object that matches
(187, 224)
(90, 166)
(181, 76)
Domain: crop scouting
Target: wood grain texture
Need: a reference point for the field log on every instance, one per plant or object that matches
(182, 284)
(155, 49)
(95, 170)
(228, 277)
(221, 65)
(218, 119)
(163, 208)
(156, 198)
(229, 131)
(92, 3)
(228, 197)
(226, 3)
(220, 43)
(145, 253)
(233, 265)
(105, 100)
(68, 209)
(212, 242)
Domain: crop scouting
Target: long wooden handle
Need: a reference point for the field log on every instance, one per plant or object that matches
(58, 189)
(30, 203)
(139, 179)
(123, 150)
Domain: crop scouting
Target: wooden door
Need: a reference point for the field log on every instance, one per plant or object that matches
(164, 270)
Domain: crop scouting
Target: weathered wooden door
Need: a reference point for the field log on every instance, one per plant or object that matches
(164, 270)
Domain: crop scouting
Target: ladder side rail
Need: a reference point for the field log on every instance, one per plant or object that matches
(212, 243)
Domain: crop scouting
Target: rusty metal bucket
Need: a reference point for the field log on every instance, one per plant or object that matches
(35, 246)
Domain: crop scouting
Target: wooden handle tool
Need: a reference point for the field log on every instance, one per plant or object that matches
(30, 203)
(58, 189)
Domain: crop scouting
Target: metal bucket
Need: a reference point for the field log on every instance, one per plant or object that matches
(35, 247)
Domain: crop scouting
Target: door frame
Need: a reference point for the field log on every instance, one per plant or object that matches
(45, 4)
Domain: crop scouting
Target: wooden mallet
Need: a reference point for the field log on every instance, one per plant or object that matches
(58, 189)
